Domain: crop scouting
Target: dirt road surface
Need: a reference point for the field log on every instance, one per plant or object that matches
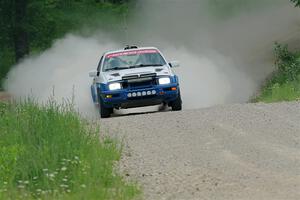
(4, 96)
(249, 151)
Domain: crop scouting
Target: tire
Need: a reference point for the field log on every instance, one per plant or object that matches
(163, 107)
(104, 112)
(177, 104)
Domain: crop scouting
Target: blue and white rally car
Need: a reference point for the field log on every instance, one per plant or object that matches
(134, 77)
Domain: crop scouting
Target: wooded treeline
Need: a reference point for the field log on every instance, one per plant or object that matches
(23, 21)
(28, 26)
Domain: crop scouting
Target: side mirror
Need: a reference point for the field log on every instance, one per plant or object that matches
(174, 64)
(93, 74)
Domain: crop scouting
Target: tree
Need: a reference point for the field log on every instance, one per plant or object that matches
(30, 26)
(27, 23)
(21, 42)
(13, 27)
(296, 2)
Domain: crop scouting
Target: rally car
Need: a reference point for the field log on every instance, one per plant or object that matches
(134, 77)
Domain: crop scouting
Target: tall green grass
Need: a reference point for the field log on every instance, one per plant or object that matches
(48, 152)
(289, 91)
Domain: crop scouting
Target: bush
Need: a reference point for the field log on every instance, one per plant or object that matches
(287, 62)
(48, 152)
(284, 85)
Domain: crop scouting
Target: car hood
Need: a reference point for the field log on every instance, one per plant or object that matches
(117, 75)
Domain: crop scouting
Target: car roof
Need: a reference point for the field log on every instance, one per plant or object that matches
(130, 49)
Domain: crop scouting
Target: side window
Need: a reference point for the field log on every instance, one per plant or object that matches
(99, 65)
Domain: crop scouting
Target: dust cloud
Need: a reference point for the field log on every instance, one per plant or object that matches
(224, 57)
(60, 72)
(225, 54)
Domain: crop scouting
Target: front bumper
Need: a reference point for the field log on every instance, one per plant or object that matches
(131, 98)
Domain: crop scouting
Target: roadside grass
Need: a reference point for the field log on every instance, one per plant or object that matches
(284, 85)
(49, 152)
(280, 92)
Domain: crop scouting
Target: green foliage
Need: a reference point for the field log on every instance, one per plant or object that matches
(296, 2)
(50, 153)
(56, 18)
(281, 92)
(284, 85)
(224, 9)
(52, 19)
(7, 59)
(287, 62)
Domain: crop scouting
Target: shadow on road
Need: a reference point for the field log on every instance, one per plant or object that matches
(139, 111)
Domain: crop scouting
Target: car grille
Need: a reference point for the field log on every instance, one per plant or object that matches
(140, 83)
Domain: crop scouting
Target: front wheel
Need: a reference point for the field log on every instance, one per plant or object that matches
(104, 112)
(177, 104)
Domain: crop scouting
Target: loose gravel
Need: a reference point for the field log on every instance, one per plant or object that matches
(249, 151)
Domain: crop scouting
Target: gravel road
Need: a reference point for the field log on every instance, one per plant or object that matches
(249, 151)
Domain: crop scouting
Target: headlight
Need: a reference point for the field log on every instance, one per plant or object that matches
(114, 86)
(164, 81)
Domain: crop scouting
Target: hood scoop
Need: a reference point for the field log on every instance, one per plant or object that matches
(130, 77)
(115, 74)
(159, 69)
(147, 75)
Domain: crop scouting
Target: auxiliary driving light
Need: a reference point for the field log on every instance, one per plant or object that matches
(153, 92)
(129, 95)
(149, 92)
(139, 94)
(144, 93)
(134, 94)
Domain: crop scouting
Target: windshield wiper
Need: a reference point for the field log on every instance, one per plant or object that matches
(146, 65)
(116, 68)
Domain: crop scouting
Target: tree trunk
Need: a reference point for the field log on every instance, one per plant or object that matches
(20, 32)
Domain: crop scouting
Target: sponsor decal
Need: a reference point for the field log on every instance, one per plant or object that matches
(136, 52)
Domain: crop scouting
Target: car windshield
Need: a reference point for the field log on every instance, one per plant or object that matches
(133, 59)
